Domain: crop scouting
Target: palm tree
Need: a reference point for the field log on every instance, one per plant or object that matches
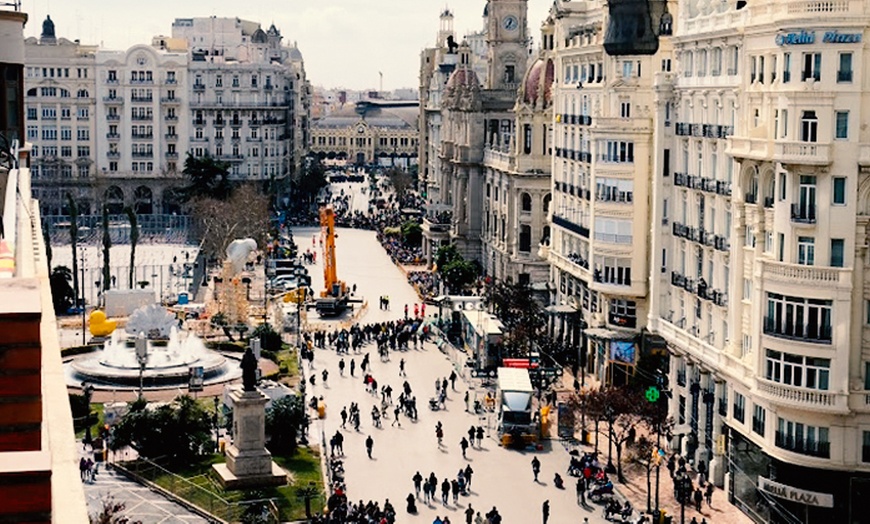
(134, 239)
(74, 238)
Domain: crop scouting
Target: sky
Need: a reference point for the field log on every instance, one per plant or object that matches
(345, 43)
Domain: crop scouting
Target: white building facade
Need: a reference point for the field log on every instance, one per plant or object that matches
(760, 223)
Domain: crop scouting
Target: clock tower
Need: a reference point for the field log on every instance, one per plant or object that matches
(507, 37)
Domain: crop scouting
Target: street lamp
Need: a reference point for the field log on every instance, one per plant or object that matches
(215, 422)
(142, 358)
(82, 305)
(681, 487)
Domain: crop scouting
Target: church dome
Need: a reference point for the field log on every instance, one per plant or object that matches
(539, 81)
(463, 77)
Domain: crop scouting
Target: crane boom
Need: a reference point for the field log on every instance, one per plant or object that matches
(334, 298)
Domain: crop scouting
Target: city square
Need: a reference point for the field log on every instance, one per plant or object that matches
(492, 262)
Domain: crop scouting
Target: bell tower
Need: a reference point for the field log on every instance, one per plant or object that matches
(507, 38)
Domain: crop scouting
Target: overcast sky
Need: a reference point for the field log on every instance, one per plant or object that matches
(345, 42)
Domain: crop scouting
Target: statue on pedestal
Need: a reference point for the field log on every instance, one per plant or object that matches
(249, 371)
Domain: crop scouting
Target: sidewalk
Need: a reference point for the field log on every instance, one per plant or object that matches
(720, 512)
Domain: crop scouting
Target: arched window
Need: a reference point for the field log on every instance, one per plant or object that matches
(82, 93)
(114, 198)
(526, 203)
(143, 201)
(547, 199)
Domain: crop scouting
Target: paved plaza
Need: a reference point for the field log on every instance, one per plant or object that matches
(502, 478)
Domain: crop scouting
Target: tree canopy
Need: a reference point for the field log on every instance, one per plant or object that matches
(208, 177)
(180, 431)
(62, 295)
(520, 314)
(283, 422)
(245, 214)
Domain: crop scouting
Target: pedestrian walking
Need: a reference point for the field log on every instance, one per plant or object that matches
(352, 367)
(468, 473)
(545, 511)
(396, 413)
(402, 368)
(370, 443)
(406, 311)
(479, 436)
(445, 491)
(418, 480)
(699, 497)
(325, 374)
(453, 380)
(581, 491)
(467, 396)
(341, 367)
(708, 494)
(469, 514)
(454, 487)
(536, 467)
(343, 417)
(464, 445)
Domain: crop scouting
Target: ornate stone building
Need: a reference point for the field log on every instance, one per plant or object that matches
(369, 132)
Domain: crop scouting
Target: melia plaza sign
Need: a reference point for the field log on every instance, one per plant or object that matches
(810, 498)
(804, 37)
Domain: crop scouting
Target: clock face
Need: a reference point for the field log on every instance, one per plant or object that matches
(510, 23)
(361, 130)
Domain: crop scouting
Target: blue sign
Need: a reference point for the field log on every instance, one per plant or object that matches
(804, 37)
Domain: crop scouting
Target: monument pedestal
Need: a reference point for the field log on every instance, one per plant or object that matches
(249, 464)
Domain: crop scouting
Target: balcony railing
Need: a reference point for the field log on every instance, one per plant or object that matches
(170, 100)
(806, 333)
(579, 260)
(198, 87)
(171, 136)
(113, 136)
(807, 153)
(113, 154)
(113, 99)
(812, 448)
(571, 226)
(172, 155)
(804, 214)
(792, 396)
(142, 154)
(807, 275)
(113, 117)
(171, 118)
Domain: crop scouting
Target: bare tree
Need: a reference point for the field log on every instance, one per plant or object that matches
(245, 214)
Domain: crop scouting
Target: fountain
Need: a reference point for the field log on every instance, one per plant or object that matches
(168, 363)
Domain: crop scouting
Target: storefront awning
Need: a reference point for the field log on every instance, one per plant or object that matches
(610, 334)
(561, 309)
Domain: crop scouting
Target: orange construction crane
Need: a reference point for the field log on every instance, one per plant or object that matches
(333, 299)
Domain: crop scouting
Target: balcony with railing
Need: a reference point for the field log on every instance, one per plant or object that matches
(812, 448)
(500, 160)
(147, 99)
(750, 148)
(172, 155)
(142, 154)
(804, 153)
(114, 155)
(113, 117)
(802, 275)
(113, 136)
(803, 213)
(813, 333)
(198, 87)
(142, 118)
(170, 136)
(170, 100)
(562, 222)
(801, 398)
(109, 100)
(171, 118)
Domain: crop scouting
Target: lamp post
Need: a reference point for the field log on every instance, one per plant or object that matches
(682, 481)
(216, 427)
(82, 305)
(142, 358)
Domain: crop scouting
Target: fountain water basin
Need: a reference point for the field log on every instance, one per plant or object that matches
(167, 365)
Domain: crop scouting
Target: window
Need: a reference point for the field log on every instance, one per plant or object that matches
(526, 203)
(66, 133)
(867, 363)
(806, 251)
(786, 68)
(800, 318)
(797, 370)
(839, 190)
(782, 186)
(842, 129)
(804, 439)
(812, 66)
(614, 190)
(625, 108)
(809, 127)
(758, 416)
(844, 74)
(865, 447)
(623, 313)
(612, 270)
(837, 247)
(682, 409)
(739, 407)
(527, 138)
(525, 239)
(614, 231)
(616, 151)
(784, 133)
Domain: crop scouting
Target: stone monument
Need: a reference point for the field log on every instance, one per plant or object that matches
(249, 464)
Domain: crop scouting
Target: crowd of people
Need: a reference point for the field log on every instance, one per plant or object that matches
(424, 283)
